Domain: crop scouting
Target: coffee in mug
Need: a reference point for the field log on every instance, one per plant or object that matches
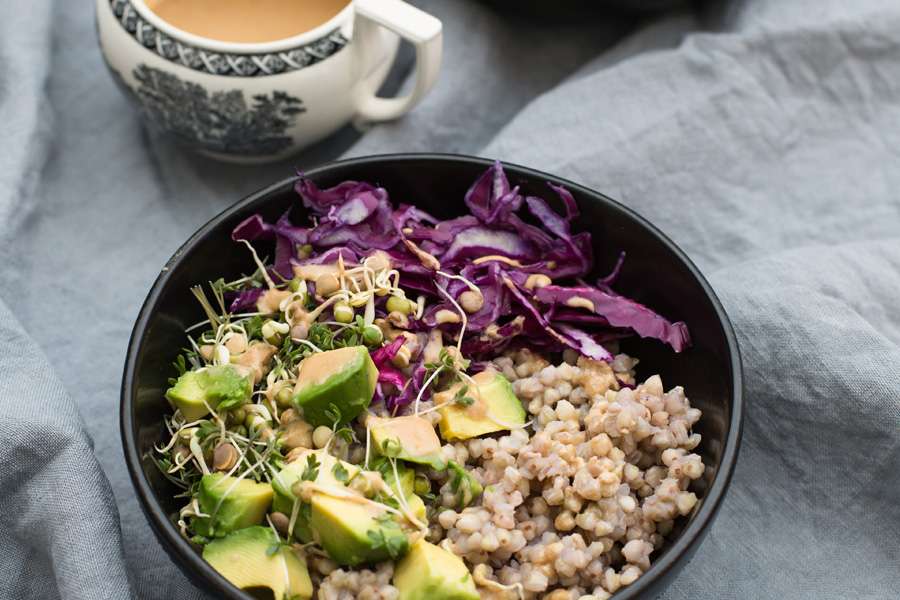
(246, 21)
(220, 77)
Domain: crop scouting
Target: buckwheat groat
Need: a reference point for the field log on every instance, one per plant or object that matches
(362, 584)
(575, 509)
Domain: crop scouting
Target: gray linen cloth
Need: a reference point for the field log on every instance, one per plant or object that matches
(761, 135)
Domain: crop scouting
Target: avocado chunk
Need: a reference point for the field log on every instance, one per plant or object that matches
(407, 476)
(429, 572)
(341, 380)
(355, 532)
(218, 387)
(327, 472)
(414, 438)
(494, 407)
(463, 485)
(403, 482)
(417, 508)
(252, 558)
(231, 504)
(351, 528)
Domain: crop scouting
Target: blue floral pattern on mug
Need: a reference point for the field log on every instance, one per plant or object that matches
(220, 63)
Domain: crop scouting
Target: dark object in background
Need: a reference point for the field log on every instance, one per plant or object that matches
(556, 10)
(656, 273)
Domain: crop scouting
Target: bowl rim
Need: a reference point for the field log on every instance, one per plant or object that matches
(192, 562)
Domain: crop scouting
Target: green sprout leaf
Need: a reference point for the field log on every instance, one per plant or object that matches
(346, 434)
(253, 327)
(395, 546)
(461, 398)
(311, 472)
(180, 365)
(340, 473)
(322, 336)
(333, 414)
(206, 428)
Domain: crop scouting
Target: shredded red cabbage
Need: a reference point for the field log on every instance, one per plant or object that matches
(243, 301)
(619, 312)
(508, 247)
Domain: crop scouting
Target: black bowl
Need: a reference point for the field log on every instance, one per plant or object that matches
(657, 273)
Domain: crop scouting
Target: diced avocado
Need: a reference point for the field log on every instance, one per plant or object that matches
(342, 379)
(413, 436)
(219, 386)
(463, 484)
(429, 572)
(327, 474)
(407, 483)
(187, 395)
(351, 528)
(355, 532)
(406, 474)
(231, 504)
(417, 508)
(251, 558)
(494, 408)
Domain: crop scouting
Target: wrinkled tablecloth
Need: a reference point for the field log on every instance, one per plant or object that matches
(762, 136)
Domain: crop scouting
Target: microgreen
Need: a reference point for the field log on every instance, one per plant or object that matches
(322, 336)
(346, 434)
(340, 473)
(461, 398)
(333, 414)
(394, 545)
(463, 486)
(391, 448)
(253, 327)
(311, 472)
(290, 354)
(214, 318)
(180, 365)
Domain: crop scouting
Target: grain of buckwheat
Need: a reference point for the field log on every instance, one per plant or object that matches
(575, 510)
(362, 584)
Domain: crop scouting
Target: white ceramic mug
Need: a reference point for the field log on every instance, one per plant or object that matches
(258, 102)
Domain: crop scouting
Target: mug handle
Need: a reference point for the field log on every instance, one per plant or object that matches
(419, 28)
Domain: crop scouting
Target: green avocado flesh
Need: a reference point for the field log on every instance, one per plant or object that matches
(429, 572)
(356, 532)
(342, 379)
(413, 437)
(284, 497)
(231, 504)
(407, 476)
(251, 558)
(404, 485)
(351, 529)
(495, 408)
(219, 386)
